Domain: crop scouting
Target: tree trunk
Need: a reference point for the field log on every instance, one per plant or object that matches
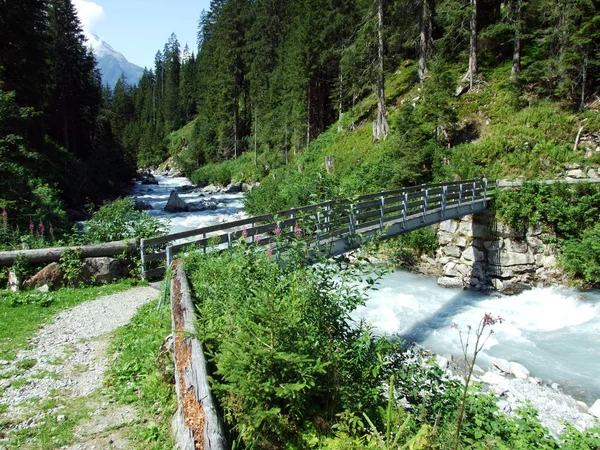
(473, 45)
(583, 82)
(255, 138)
(516, 6)
(380, 127)
(425, 38)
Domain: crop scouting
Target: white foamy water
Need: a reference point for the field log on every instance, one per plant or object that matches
(158, 195)
(554, 332)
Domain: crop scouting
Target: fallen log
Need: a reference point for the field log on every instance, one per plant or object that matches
(48, 255)
(197, 423)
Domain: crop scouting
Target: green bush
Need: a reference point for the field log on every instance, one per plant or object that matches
(277, 332)
(119, 220)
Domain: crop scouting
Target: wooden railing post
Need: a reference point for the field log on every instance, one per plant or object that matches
(205, 244)
(444, 195)
(381, 213)
(404, 210)
(460, 188)
(485, 189)
(425, 200)
(352, 225)
(142, 258)
(473, 197)
(169, 256)
(229, 240)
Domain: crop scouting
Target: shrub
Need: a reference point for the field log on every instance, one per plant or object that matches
(119, 220)
(279, 338)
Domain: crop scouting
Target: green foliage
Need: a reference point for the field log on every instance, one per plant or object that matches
(581, 256)
(30, 298)
(135, 378)
(405, 249)
(119, 220)
(70, 265)
(278, 336)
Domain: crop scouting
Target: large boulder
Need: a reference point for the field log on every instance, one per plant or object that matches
(175, 204)
(102, 270)
(142, 205)
(232, 188)
(595, 409)
(50, 275)
(148, 178)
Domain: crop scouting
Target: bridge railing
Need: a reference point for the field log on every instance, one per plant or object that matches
(407, 209)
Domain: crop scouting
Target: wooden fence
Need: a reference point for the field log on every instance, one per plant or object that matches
(339, 225)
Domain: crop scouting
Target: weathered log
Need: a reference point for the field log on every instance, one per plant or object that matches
(47, 255)
(191, 375)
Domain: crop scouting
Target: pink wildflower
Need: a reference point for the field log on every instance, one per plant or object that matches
(31, 226)
(297, 230)
(269, 252)
(245, 233)
(454, 325)
(41, 227)
(4, 217)
(256, 238)
(51, 230)
(277, 230)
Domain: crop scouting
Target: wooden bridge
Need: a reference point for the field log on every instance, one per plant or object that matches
(338, 226)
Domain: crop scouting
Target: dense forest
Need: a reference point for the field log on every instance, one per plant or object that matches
(269, 76)
(57, 148)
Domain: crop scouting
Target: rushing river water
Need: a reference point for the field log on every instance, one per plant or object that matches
(554, 332)
(158, 194)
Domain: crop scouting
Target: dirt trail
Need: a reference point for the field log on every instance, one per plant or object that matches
(67, 365)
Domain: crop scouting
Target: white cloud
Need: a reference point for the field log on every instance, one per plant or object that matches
(90, 14)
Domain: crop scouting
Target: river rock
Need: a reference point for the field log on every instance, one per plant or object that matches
(50, 275)
(502, 364)
(519, 370)
(515, 246)
(450, 270)
(498, 284)
(448, 282)
(142, 205)
(594, 410)
(175, 204)
(592, 173)
(211, 189)
(148, 178)
(232, 188)
(14, 283)
(497, 383)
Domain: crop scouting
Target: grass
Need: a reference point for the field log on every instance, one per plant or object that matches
(19, 323)
(141, 375)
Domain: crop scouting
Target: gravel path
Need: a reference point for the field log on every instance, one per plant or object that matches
(69, 356)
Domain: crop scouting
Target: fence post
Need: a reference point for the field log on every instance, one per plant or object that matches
(444, 195)
(318, 231)
(351, 228)
(169, 256)
(473, 197)
(485, 189)
(204, 243)
(229, 240)
(142, 257)
(404, 210)
(381, 213)
(425, 199)
(460, 195)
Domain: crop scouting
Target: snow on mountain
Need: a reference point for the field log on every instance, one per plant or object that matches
(112, 63)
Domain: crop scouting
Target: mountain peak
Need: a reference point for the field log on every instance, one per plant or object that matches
(112, 63)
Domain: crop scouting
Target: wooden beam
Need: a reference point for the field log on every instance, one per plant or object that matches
(47, 255)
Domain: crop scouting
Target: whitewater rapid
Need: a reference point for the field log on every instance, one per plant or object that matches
(552, 331)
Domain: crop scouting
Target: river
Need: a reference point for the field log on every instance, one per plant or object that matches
(553, 332)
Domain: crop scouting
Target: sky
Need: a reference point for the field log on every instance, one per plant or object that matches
(139, 28)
